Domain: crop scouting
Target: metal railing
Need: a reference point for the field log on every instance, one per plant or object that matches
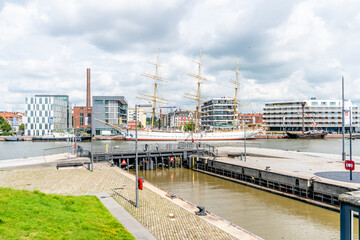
(65, 151)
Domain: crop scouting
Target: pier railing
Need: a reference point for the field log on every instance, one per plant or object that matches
(349, 204)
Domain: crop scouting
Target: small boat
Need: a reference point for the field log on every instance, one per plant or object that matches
(314, 134)
(311, 134)
(55, 137)
(14, 139)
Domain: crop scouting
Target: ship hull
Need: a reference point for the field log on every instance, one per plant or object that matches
(306, 135)
(168, 136)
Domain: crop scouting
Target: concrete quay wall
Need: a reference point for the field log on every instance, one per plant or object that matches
(301, 188)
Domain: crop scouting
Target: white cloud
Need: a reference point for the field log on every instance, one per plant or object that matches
(287, 49)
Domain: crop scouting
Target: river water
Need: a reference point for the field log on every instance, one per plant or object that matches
(265, 214)
(11, 150)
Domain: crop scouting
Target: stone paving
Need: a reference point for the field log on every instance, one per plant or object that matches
(153, 213)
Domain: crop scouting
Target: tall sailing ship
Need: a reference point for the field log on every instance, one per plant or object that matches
(196, 135)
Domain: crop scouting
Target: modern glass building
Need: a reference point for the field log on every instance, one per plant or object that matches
(110, 109)
(45, 114)
(324, 114)
(217, 113)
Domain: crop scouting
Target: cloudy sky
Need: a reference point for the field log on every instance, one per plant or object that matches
(287, 49)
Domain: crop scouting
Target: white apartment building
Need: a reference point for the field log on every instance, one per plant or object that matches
(45, 114)
(323, 114)
(141, 116)
(217, 113)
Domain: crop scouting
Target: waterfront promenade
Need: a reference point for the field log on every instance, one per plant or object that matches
(155, 206)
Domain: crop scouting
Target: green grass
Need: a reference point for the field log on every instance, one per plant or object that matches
(35, 215)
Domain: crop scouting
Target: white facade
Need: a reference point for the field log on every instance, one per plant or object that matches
(141, 116)
(324, 114)
(218, 113)
(45, 114)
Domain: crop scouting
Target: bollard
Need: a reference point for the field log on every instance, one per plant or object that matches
(201, 211)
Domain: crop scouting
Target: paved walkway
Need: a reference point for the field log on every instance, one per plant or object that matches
(128, 221)
(155, 208)
(326, 167)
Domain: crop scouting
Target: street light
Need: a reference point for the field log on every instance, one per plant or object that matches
(136, 152)
(91, 135)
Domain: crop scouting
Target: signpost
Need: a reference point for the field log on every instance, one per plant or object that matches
(350, 165)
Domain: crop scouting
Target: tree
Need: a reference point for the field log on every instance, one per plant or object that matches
(5, 127)
(2, 120)
(22, 127)
(190, 126)
(140, 125)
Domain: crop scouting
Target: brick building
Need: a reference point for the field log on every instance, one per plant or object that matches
(82, 118)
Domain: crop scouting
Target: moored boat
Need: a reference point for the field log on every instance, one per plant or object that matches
(314, 134)
(185, 136)
(14, 139)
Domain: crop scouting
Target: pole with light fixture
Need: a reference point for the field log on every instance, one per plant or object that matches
(136, 152)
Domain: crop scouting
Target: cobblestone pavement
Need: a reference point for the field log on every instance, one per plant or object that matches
(154, 211)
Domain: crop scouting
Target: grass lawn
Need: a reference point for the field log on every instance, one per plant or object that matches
(35, 215)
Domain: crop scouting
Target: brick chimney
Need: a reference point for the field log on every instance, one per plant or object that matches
(88, 97)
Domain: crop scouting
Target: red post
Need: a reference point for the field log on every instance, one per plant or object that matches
(140, 183)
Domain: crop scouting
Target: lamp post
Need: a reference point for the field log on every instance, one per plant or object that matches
(91, 145)
(244, 139)
(136, 152)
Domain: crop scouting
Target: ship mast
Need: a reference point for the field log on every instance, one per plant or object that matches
(154, 98)
(197, 97)
(237, 87)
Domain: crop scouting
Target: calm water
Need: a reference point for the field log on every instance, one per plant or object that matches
(10, 150)
(265, 214)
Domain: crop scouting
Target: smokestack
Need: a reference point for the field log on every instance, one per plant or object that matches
(88, 97)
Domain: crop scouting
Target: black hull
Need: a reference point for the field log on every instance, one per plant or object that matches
(309, 135)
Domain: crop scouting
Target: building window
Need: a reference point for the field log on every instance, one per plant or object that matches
(98, 102)
(314, 103)
(323, 103)
(81, 119)
(89, 119)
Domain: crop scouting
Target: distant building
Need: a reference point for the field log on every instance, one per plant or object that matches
(179, 118)
(324, 114)
(45, 114)
(110, 109)
(15, 119)
(141, 117)
(82, 118)
(251, 119)
(217, 113)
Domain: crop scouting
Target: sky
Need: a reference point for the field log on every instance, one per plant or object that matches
(287, 50)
